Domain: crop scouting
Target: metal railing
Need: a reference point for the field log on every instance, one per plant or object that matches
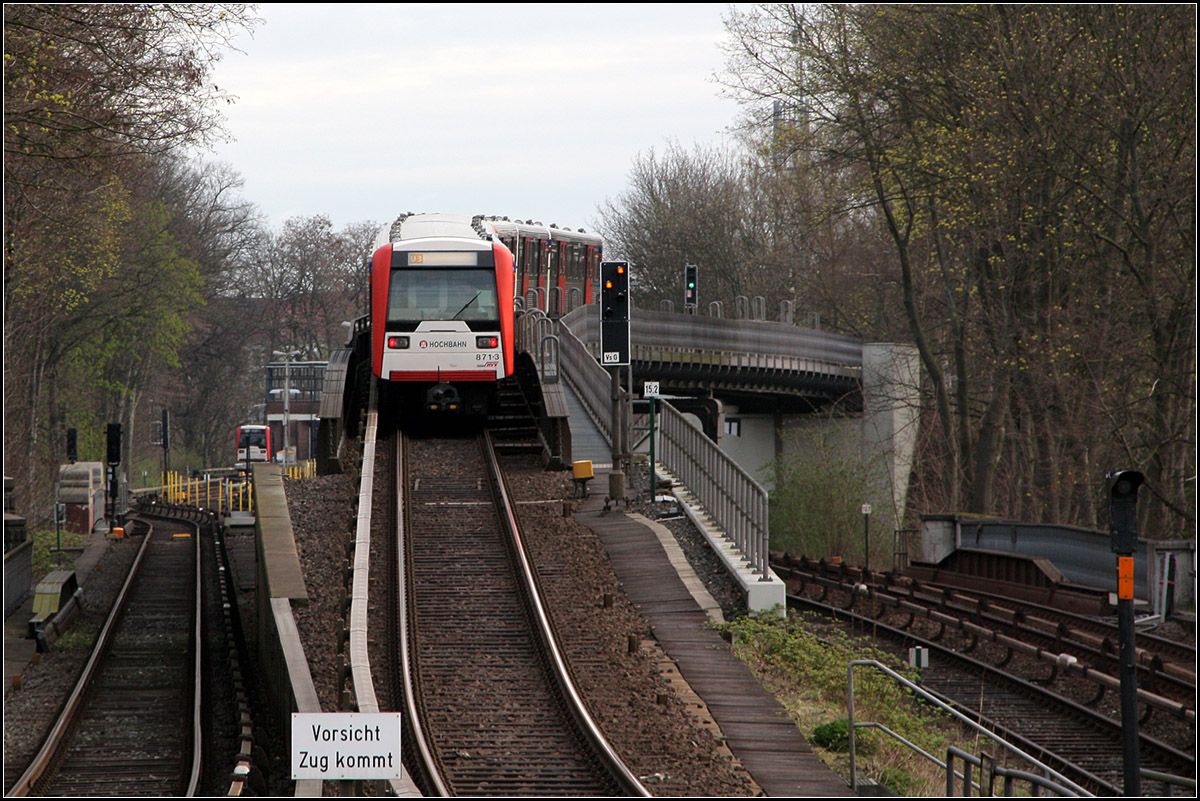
(989, 772)
(590, 381)
(535, 335)
(737, 503)
(1060, 784)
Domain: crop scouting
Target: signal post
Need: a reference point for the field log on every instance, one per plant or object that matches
(614, 354)
(1123, 491)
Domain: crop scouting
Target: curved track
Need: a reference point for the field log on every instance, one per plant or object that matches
(131, 727)
(498, 714)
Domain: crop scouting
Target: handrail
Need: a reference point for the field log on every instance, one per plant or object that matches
(548, 359)
(988, 771)
(920, 691)
(737, 502)
(587, 378)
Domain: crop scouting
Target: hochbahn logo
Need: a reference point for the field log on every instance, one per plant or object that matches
(425, 344)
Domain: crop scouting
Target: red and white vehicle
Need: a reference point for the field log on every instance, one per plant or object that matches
(442, 310)
(557, 269)
(442, 300)
(253, 444)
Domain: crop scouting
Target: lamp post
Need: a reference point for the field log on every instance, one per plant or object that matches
(287, 357)
(866, 513)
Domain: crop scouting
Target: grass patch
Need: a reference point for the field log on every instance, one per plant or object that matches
(807, 673)
(46, 559)
(79, 637)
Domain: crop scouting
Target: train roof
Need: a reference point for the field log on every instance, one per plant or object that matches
(408, 227)
(506, 227)
(424, 226)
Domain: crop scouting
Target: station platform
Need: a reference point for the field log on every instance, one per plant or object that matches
(757, 728)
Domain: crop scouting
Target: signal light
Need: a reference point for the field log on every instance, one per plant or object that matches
(113, 434)
(614, 313)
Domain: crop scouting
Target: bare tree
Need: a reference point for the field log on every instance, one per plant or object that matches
(686, 207)
(1007, 151)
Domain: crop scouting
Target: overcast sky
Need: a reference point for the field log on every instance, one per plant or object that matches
(363, 111)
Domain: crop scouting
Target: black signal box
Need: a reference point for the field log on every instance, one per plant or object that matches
(689, 286)
(113, 437)
(614, 313)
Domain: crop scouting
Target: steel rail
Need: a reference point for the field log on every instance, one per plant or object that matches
(193, 784)
(1080, 712)
(51, 749)
(885, 598)
(42, 761)
(600, 744)
(423, 750)
(361, 675)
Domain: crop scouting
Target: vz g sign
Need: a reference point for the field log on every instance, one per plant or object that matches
(612, 357)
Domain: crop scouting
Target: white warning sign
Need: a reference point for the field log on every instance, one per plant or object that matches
(346, 745)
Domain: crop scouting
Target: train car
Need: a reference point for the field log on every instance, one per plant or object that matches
(557, 268)
(253, 444)
(441, 311)
(442, 300)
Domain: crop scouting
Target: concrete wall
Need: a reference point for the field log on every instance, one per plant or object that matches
(891, 412)
(18, 575)
(883, 438)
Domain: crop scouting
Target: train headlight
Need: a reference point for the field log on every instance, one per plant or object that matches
(487, 342)
(397, 342)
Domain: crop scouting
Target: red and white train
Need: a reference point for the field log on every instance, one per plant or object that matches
(253, 444)
(442, 301)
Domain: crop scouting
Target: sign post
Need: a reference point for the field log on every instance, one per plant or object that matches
(651, 393)
(866, 513)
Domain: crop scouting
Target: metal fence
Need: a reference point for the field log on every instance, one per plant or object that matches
(590, 381)
(737, 503)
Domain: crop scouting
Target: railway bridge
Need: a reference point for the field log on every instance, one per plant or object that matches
(742, 393)
(759, 390)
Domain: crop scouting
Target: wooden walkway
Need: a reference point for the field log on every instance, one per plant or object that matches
(756, 727)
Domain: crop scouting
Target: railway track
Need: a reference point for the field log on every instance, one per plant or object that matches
(132, 724)
(494, 710)
(1078, 742)
(1166, 669)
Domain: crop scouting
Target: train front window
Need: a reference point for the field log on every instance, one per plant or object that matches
(253, 438)
(449, 294)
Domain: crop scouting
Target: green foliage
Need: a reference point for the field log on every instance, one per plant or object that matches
(832, 736)
(816, 504)
(79, 637)
(897, 780)
(817, 667)
(45, 556)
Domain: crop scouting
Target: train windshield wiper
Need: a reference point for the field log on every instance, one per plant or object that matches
(474, 298)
